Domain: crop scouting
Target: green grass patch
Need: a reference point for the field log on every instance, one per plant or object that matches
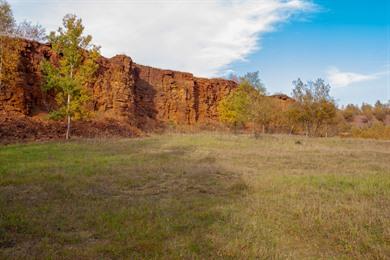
(196, 196)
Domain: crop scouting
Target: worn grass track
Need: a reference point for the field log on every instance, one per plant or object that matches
(196, 196)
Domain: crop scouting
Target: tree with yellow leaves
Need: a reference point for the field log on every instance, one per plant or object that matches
(9, 46)
(234, 109)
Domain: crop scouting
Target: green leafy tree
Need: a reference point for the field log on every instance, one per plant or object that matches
(75, 69)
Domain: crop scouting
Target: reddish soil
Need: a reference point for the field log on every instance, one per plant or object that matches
(20, 128)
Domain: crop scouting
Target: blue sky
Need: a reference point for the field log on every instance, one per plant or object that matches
(352, 36)
(346, 42)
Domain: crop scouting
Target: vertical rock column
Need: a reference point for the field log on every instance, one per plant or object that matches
(165, 95)
(113, 91)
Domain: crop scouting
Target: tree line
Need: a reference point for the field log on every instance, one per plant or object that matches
(311, 111)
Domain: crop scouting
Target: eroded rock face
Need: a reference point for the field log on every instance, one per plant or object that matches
(171, 96)
(164, 95)
(209, 92)
(113, 91)
(24, 95)
(122, 90)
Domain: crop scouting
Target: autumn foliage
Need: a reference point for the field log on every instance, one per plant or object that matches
(311, 111)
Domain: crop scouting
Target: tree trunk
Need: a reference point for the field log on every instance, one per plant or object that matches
(68, 107)
(254, 129)
(326, 131)
(291, 130)
(68, 118)
(316, 126)
(307, 129)
(263, 129)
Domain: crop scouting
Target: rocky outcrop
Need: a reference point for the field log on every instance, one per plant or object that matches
(209, 93)
(113, 93)
(283, 97)
(171, 96)
(124, 91)
(165, 95)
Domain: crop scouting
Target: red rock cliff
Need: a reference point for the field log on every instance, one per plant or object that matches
(123, 90)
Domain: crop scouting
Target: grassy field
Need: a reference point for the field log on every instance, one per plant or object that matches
(195, 197)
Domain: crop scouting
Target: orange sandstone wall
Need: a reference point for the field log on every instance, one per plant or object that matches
(122, 90)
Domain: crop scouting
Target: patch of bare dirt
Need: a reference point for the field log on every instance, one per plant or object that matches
(20, 128)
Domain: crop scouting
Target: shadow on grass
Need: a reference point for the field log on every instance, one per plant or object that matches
(138, 203)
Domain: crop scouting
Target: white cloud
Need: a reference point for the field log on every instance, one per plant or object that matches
(202, 37)
(339, 78)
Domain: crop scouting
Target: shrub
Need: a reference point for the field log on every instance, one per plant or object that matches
(377, 130)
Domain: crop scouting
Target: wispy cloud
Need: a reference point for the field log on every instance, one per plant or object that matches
(339, 78)
(198, 36)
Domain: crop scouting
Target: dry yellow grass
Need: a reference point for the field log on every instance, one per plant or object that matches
(202, 196)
